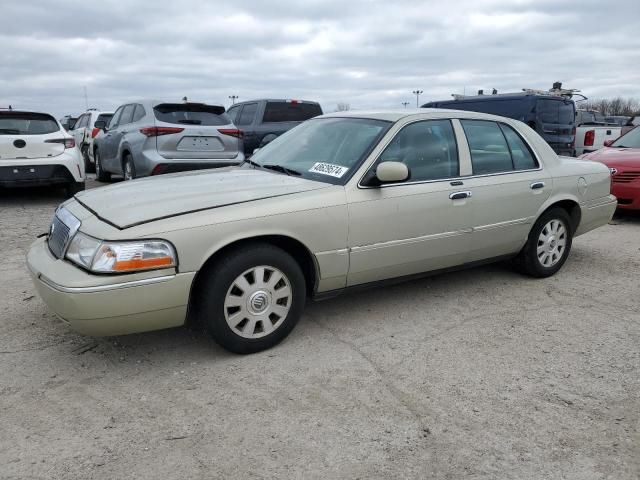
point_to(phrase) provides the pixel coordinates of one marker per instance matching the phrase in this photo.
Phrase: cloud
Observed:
(366, 53)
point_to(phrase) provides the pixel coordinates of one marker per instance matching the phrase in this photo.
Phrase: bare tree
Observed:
(613, 106)
(342, 107)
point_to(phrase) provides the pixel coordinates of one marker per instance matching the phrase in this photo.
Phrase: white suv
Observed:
(84, 131)
(36, 150)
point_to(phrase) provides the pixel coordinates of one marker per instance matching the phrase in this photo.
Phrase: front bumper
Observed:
(102, 305)
(628, 195)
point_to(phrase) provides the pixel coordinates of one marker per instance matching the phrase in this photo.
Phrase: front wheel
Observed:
(101, 175)
(548, 244)
(252, 298)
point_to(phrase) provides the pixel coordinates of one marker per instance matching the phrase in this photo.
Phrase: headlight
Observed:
(120, 257)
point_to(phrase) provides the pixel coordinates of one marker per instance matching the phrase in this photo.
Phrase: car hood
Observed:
(149, 199)
(629, 157)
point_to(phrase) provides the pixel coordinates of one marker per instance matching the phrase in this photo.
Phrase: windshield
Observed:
(16, 123)
(326, 149)
(631, 139)
(191, 114)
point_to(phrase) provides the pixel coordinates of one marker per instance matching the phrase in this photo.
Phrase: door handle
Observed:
(536, 185)
(460, 195)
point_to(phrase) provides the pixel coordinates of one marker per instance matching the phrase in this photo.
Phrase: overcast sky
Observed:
(365, 53)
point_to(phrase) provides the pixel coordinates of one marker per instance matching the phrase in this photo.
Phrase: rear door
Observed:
(25, 135)
(79, 128)
(195, 131)
(508, 187)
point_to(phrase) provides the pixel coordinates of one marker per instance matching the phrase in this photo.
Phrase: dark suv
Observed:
(263, 120)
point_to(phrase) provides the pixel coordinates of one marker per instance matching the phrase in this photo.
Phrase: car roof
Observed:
(276, 100)
(25, 111)
(394, 115)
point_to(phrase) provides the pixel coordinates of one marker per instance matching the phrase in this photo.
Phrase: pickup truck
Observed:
(266, 119)
(592, 131)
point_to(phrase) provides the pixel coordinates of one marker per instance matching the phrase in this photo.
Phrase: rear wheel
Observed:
(128, 168)
(252, 298)
(88, 166)
(101, 175)
(548, 245)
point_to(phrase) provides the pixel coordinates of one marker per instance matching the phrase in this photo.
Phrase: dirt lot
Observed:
(481, 374)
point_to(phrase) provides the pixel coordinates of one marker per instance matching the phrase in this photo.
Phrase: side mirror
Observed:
(101, 124)
(386, 172)
(608, 143)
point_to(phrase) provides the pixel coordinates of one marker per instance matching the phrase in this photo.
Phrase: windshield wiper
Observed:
(280, 168)
(251, 162)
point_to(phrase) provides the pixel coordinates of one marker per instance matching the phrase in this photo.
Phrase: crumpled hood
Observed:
(126, 204)
(629, 157)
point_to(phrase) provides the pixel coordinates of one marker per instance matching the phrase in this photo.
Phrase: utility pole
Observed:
(233, 99)
(417, 93)
(86, 98)
(405, 104)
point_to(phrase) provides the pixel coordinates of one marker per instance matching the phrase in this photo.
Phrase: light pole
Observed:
(417, 93)
(233, 99)
(405, 104)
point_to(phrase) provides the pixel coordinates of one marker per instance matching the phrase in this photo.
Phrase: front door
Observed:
(413, 226)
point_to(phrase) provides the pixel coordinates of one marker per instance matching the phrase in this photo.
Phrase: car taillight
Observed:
(157, 131)
(233, 132)
(67, 142)
(94, 132)
(589, 138)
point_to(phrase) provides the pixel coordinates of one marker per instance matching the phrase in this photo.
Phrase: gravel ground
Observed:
(480, 374)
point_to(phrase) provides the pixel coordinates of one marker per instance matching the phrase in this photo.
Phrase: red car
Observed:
(622, 156)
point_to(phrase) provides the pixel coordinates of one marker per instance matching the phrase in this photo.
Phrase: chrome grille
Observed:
(63, 227)
(625, 177)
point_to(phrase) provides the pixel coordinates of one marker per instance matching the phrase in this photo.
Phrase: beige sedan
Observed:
(341, 201)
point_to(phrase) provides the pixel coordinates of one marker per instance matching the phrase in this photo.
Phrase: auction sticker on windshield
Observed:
(329, 169)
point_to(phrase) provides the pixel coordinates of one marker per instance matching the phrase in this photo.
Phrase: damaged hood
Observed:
(148, 199)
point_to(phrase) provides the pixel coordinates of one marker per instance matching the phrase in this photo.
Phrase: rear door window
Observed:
(17, 123)
(139, 113)
(232, 113)
(127, 114)
(522, 156)
(248, 114)
(191, 114)
(290, 112)
(489, 149)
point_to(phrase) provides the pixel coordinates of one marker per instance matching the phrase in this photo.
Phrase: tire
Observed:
(101, 175)
(88, 166)
(74, 187)
(542, 257)
(128, 168)
(243, 314)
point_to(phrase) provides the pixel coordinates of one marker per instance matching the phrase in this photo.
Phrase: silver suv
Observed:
(151, 137)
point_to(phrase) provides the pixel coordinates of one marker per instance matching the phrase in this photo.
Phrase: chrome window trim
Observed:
(458, 178)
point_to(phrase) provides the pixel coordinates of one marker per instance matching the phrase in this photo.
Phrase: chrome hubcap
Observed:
(552, 243)
(258, 302)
